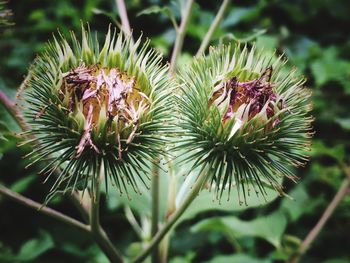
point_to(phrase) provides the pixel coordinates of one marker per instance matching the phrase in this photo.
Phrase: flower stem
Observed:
(171, 207)
(180, 34)
(174, 217)
(43, 209)
(97, 232)
(305, 245)
(155, 207)
(213, 27)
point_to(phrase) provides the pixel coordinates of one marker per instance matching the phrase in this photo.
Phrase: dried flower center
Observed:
(253, 96)
(107, 93)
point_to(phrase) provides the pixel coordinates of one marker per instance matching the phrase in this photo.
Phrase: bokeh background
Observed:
(314, 35)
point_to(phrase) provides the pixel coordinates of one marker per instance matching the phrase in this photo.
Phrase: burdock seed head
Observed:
(245, 117)
(89, 107)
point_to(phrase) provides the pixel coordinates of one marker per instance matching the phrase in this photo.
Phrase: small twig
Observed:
(342, 191)
(180, 35)
(213, 27)
(123, 16)
(43, 209)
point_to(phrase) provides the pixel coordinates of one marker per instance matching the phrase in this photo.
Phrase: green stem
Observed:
(155, 207)
(97, 232)
(174, 217)
(180, 34)
(164, 248)
(43, 209)
(171, 206)
(213, 27)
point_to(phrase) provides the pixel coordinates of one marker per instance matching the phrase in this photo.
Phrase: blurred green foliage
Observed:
(314, 35)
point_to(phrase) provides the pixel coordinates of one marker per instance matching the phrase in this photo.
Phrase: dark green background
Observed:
(314, 34)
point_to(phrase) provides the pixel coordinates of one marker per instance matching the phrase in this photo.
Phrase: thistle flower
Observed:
(245, 117)
(89, 107)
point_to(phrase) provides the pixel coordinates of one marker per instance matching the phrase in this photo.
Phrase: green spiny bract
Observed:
(88, 106)
(244, 117)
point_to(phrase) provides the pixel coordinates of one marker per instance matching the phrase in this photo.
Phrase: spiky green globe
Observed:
(245, 117)
(89, 106)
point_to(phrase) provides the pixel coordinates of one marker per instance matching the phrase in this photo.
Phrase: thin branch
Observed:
(342, 191)
(213, 27)
(173, 218)
(180, 35)
(13, 110)
(123, 16)
(43, 209)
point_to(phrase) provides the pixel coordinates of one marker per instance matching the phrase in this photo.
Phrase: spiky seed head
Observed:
(5, 14)
(89, 107)
(245, 117)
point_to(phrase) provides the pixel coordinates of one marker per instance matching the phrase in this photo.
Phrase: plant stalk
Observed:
(180, 35)
(305, 245)
(43, 209)
(97, 232)
(171, 207)
(155, 207)
(174, 217)
(213, 27)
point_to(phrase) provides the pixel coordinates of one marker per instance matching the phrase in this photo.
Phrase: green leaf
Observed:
(140, 202)
(344, 123)
(296, 207)
(237, 258)
(111, 15)
(320, 149)
(337, 260)
(35, 247)
(246, 38)
(329, 67)
(206, 200)
(22, 184)
(237, 15)
(270, 228)
(155, 9)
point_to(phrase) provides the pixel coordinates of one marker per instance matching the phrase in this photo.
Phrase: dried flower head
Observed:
(245, 117)
(89, 107)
